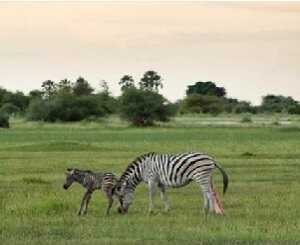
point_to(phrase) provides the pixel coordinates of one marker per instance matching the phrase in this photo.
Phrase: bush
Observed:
(246, 119)
(4, 120)
(279, 104)
(144, 107)
(196, 103)
(66, 108)
(9, 108)
(295, 109)
(107, 102)
(38, 110)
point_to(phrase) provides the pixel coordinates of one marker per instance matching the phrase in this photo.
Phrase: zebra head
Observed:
(124, 192)
(72, 175)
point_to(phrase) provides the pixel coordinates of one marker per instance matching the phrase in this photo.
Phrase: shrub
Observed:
(196, 103)
(66, 108)
(73, 108)
(4, 120)
(9, 108)
(248, 154)
(38, 110)
(278, 104)
(295, 109)
(143, 107)
(108, 103)
(246, 119)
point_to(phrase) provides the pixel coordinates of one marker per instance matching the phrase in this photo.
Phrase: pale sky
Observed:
(251, 49)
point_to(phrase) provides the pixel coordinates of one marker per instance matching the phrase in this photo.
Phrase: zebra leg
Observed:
(207, 193)
(87, 202)
(206, 204)
(82, 202)
(164, 197)
(110, 200)
(152, 190)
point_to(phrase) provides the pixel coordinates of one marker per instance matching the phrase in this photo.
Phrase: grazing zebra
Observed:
(91, 181)
(167, 170)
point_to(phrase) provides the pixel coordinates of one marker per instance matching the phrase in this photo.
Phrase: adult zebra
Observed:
(170, 170)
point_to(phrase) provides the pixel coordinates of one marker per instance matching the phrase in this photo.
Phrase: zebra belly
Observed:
(177, 184)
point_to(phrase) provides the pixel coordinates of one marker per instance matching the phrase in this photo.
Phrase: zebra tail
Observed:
(225, 177)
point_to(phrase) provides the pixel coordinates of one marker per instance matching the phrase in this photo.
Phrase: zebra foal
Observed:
(91, 181)
(159, 171)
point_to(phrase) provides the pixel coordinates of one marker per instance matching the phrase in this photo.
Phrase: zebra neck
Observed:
(132, 181)
(83, 179)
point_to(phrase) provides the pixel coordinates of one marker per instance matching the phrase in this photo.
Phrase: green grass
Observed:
(262, 203)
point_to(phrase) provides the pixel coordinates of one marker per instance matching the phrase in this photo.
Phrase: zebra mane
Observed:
(80, 170)
(88, 171)
(124, 176)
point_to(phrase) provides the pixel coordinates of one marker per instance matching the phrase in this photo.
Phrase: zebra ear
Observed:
(70, 171)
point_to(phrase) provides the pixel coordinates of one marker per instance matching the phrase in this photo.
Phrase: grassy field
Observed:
(261, 158)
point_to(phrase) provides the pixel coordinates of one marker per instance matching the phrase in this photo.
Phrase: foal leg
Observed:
(87, 202)
(83, 201)
(110, 200)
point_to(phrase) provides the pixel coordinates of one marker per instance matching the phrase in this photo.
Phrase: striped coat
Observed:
(159, 171)
(91, 181)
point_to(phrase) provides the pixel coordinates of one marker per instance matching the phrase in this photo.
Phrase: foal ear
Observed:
(76, 171)
(70, 171)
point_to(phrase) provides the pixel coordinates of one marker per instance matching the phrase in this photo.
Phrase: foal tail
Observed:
(225, 177)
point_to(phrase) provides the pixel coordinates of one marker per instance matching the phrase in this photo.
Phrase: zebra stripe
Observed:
(170, 170)
(92, 181)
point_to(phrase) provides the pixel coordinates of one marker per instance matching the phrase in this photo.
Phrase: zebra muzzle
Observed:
(122, 210)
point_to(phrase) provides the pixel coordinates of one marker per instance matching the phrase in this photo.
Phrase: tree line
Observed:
(139, 103)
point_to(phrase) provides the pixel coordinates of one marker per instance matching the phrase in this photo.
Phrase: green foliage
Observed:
(197, 103)
(294, 109)
(151, 81)
(64, 87)
(126, 81)
(246, 119)
(143, 107)
(206, 88)
(243, 107)
(4, 120)
(48, 88)
(18, 99)
(206, 97)
(9, 109)
(38, 110)
(81, 87)
(66, 108)
(108, 103)
(35, 94)
(71, 102)
(279, 104)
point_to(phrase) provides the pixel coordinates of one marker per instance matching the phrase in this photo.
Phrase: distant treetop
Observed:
(206, 88)
(151, 81)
